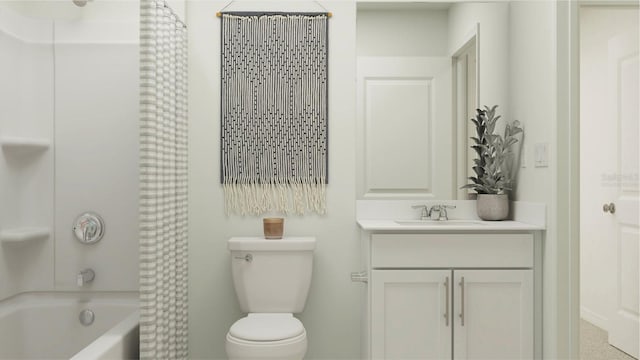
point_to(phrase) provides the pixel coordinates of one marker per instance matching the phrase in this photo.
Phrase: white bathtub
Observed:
(47, 326)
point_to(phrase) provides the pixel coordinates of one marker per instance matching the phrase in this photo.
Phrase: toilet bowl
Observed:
(266, 336)
(271, 279)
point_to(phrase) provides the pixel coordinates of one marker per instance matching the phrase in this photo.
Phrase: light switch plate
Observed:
(541, 155)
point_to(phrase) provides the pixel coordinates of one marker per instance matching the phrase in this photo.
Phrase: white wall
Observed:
(402, 31)
(532, 90)
(26, 180)
(532, 100)
(331, 317)
(493, 44)
(597, 251)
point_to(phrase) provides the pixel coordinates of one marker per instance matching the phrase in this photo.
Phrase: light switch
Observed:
(541, 155)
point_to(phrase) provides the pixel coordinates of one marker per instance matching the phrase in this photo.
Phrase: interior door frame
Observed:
(568, 171)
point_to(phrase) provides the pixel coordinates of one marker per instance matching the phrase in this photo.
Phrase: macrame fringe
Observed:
(274, 128)
(257, 199)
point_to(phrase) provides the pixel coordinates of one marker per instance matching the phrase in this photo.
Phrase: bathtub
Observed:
(48, 326)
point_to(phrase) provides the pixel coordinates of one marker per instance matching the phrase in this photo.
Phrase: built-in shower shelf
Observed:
(24, 144)
(24, 235)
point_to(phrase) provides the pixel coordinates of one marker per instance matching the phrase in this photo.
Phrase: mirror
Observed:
(423, 69)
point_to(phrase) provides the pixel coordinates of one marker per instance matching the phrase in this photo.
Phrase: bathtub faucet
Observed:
(85, 276)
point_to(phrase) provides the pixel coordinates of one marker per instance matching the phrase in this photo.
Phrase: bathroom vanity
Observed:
(451, 290)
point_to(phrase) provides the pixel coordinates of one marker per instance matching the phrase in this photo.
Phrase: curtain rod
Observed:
(254, 13)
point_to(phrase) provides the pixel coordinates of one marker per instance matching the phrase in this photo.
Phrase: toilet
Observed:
(271, 279)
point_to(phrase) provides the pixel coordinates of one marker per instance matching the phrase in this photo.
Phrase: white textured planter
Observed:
(492, 207)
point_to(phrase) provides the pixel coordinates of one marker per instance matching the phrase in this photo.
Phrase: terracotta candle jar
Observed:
(273, 228)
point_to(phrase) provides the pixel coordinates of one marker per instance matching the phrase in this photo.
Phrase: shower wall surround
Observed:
(85, 125)
(96, 148)
(26, 175)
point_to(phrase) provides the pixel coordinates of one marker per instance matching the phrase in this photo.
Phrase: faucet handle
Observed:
(443, 211)
(426, 212)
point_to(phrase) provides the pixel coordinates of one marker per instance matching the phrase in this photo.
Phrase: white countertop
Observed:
(451, 225)
(382, 215)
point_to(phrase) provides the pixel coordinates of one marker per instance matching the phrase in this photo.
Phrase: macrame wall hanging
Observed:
(274, 112)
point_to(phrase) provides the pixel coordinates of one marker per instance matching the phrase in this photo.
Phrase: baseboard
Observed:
(594, 318)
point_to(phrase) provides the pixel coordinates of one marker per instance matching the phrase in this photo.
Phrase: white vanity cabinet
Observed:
(452, 296)
(407, 308)
(493, 314)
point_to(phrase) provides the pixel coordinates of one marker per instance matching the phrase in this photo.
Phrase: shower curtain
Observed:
(163, 183)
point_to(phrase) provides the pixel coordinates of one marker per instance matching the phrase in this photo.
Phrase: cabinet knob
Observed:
(610, 208)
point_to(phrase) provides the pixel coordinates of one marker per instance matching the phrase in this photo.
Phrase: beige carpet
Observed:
(594, 345)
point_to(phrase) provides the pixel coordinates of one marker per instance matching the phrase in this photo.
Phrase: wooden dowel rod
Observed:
(219, 14)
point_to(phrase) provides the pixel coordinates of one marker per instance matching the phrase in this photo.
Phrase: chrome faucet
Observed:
(442, 211)
(425, 214)
(428, 210)
(85, 276)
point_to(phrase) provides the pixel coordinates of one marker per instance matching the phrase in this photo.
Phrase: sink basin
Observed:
(440, 223)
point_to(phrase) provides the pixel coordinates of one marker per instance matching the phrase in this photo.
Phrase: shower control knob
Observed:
(88, 228)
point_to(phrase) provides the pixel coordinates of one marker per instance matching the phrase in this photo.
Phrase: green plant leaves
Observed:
(493, 152)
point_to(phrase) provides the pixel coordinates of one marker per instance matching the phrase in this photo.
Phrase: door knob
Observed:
(610, 208)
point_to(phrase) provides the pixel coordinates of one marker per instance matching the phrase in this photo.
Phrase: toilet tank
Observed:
(272, 276)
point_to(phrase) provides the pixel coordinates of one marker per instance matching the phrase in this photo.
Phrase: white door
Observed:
(411, 314)
(405, 128)
(493, 314)
(624, 79)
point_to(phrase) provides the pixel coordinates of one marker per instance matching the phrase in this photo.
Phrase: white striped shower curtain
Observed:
(163, 183)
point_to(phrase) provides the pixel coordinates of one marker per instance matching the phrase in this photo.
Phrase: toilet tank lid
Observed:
(262, 244)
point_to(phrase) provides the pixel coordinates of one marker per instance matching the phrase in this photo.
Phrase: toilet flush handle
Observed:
(247, 258)
(359, 277)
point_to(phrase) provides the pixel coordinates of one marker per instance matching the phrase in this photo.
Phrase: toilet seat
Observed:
(267, 327)
(267, 336)
(278, 343)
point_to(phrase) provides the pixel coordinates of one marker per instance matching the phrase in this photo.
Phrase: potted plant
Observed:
(493, 164)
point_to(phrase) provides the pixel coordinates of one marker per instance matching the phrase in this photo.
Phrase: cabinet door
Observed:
(408, 309)
(404, 127)
(493, 314)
